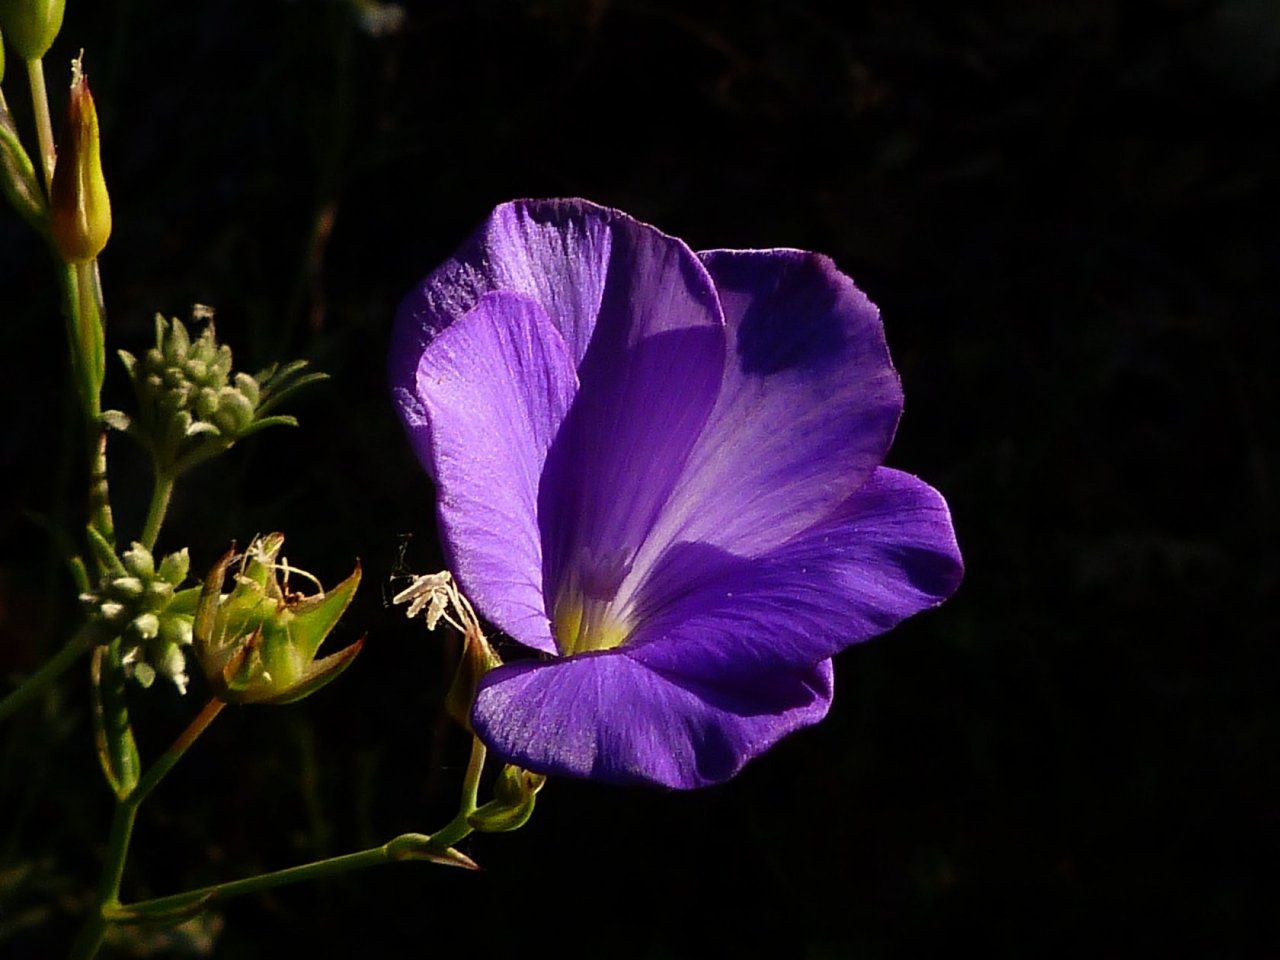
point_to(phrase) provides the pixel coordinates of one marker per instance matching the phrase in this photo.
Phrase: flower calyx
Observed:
(258, 643)
(138, 601)
(191, 404)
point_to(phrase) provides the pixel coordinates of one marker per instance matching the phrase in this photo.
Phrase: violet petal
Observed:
(807, 408)
(610, 718)
(496, 385)
(648, 381)
(888, 554)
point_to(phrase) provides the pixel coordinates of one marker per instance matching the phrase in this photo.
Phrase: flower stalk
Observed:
(434, 848)
(179, 906)
(52, 669)
(126, 813)
(44, 120)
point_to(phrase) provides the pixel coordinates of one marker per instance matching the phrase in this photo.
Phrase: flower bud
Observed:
(174, 567)
(191, 404)
(80, 210)
(138, 561)
(139, 604)
(257, 644)
(478, 659)
(514, 793)
(30, 26)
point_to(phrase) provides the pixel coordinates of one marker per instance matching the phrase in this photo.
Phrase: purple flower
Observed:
(661, 470)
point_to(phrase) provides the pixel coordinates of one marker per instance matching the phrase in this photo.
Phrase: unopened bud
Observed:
(173, 568)
(30, 26)
(138, 561)
(514, 794)
(139, 603)
(478, 658)
(80, 220)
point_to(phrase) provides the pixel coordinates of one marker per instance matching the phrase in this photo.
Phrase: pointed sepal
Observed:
(258, 643)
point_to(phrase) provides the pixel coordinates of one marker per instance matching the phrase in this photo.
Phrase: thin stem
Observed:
(171, 756)
(84, 300)
(95, 928)
(161, 491)
(278, 878)
(458, 828)
(92, 332)
(471, 781)
(44, 123)
(435, 847)
(407, 846)
(99, 492)
(54, 668)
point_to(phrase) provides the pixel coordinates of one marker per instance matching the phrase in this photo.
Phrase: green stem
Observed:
(436, 847)
(161, 491)
(84, 297)
(44, 123)
(265, 881)
(407, 846)
(95, 928)
(99, 493)
(79, 314)
(458, 828)
(54, 668)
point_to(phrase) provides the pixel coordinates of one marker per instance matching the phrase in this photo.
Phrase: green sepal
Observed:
(280, 420)
(113, 734)
(277, 385)
(258, 643)
(419, 846)
(477, 659)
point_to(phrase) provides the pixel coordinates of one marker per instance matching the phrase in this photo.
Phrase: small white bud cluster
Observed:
(134, 603)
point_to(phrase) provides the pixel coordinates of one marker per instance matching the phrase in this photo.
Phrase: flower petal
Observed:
(648, 381)
(556, 252)
(495, 386)
(607, 717)
(889, 553)
(807, 408)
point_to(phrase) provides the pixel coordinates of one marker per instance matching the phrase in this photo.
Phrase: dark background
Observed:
(1066, 212)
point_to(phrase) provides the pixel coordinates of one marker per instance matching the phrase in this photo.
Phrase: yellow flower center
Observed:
(583, 624)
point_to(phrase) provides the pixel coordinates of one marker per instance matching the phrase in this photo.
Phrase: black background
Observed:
(1065, 212)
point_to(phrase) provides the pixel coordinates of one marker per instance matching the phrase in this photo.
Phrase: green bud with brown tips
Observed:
(80, 210)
